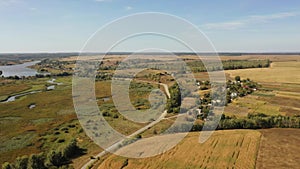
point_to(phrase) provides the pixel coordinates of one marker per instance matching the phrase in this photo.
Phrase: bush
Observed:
(125, 163)
(138, 136)
(106, 114)
(21, 162)
(71, 149)
(36, 161)
(56, 158)
(203, 88)
(61, 140)
(237, 78)
(116, 116)
(7, 165)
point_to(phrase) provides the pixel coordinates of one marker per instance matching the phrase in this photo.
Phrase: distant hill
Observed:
(30, 56)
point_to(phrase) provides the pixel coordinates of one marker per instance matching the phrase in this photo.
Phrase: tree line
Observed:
(254, 121)
(59, 158)
(198, 66)
(174, 103)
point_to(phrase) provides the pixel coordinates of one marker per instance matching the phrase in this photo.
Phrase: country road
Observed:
(116, 145)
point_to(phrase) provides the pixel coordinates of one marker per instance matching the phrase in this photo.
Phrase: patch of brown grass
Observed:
(279, 148)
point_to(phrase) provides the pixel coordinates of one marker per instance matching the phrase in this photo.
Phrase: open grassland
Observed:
(53, 121)
(49, 125)
(279, 148)
(254, 104)
(279, 72)
(13, 87)
(138, 94)
(225, 149)
(266, 102)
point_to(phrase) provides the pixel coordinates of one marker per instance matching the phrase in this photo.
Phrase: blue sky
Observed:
(232, 26)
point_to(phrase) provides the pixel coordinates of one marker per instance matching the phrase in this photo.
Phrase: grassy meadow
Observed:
(45, 127)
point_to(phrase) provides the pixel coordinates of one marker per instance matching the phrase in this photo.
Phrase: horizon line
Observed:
(176, 52)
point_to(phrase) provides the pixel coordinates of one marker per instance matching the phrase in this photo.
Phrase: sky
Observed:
(231, 25)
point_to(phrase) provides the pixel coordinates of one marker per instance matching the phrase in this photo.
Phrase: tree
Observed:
(71, 149)
(21, 162)
(174, 103)
(56, 158)
(36, 161)
(237, 78)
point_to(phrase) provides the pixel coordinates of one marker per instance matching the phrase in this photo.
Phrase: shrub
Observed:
(106, 114)
(71, 149)
(36, 161)
(56, 158)
(21, 162)
(237, 78)
(7, 165)
(125, 163)
(61, 140)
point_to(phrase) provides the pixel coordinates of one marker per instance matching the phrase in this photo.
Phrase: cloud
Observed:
(225, 25)
(33, 9)
(253, 19)
(273, 16)
(128, 8)
(8, 2)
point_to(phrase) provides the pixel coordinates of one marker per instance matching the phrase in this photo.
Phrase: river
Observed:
(19, 69)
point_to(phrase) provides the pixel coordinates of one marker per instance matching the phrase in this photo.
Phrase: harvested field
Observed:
(279, 148)
(225, 149)
(277, 73)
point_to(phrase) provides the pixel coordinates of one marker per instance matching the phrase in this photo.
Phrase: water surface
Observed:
(19, 69)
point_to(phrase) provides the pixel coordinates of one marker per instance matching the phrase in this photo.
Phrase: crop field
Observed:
(277, 73)
(273, 58)
(238, 147)
(279, 148)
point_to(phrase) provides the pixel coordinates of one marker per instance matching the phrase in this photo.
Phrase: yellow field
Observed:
(279, 72)
(225, 149)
